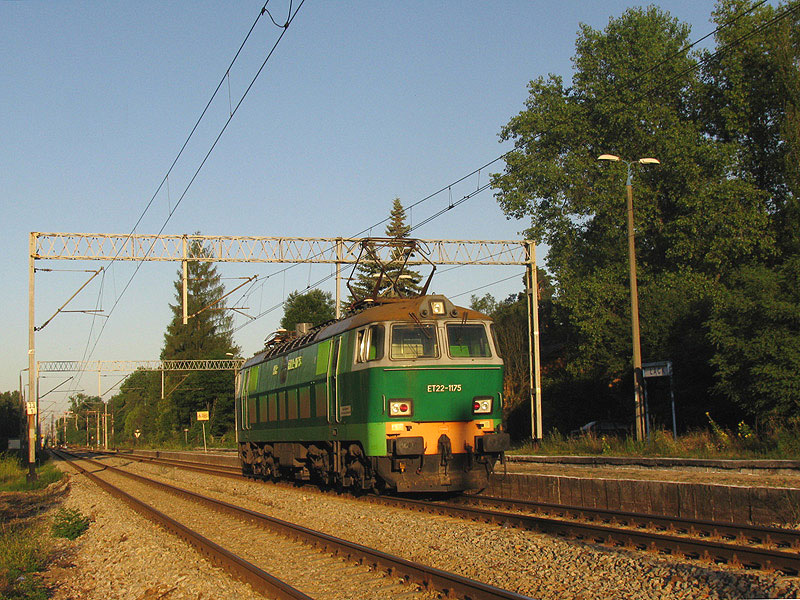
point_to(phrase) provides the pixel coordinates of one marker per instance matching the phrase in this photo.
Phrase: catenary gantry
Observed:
(339, 251)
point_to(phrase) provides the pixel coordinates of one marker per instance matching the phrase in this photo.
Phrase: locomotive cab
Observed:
(439, 376)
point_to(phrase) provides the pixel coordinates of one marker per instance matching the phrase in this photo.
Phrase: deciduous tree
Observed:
(10, 415)
(314, 306)
(636, 92)
(755, 328)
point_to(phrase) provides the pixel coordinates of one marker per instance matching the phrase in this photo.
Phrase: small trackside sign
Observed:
(202, 415)
(657, 369)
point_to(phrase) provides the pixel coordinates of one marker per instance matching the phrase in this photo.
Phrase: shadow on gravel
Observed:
(23, 505)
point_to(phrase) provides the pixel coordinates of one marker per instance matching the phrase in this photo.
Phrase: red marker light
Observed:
(400, 408)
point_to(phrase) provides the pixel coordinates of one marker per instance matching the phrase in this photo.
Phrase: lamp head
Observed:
(649, 161)
(609, 157)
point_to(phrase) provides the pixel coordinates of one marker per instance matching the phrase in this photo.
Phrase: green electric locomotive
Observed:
(405, 395)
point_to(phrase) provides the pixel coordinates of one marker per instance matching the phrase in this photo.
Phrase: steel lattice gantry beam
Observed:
(129, 366)
(98, 246)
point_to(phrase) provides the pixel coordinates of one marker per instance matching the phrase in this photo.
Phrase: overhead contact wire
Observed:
(205, 158)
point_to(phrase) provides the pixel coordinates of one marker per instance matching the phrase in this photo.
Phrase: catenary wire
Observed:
(726, 48)
(487, 285)
(199, 168)
(328, 277)
(165, 179)
(790, 10)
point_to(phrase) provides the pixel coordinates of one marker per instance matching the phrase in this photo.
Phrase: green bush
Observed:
(69, 523)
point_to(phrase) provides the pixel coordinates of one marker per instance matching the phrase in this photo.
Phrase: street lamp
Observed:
(638, 380)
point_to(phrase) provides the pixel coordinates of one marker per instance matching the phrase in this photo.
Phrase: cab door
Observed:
(333, 379)
(242, 413)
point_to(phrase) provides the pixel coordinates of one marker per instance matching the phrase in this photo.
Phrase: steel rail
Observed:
(198, 467)
(238, 567)
(735, 555)
(449, 584)
(737, 531)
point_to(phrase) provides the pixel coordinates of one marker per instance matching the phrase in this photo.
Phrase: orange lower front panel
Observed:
(459, 432)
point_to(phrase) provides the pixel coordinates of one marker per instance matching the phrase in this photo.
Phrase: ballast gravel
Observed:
(525, 562)
(123, 556)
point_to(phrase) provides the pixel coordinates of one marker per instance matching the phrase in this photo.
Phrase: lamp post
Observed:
(638, 380)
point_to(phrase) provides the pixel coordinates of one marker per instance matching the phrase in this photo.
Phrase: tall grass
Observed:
(23, 551)
(24, 542)
(773, 441)
(179, 442)
(14, 477)
(10, 469)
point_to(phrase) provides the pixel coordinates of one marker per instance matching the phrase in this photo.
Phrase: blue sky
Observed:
(362, 102)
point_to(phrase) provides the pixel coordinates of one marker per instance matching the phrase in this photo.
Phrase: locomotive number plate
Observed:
(451, 387)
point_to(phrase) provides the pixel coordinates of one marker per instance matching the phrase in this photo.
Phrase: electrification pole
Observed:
(534, 370)
(33, 393)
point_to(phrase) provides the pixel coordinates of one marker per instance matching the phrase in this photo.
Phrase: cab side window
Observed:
(370, 343)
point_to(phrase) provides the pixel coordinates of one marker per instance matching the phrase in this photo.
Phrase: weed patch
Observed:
(773, 441)
(69, 523)
(14, 478)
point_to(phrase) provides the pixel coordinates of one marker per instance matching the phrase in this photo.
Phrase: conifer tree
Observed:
(369, 270)
(207, 335)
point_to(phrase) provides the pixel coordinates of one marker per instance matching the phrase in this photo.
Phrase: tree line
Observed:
(163, 408)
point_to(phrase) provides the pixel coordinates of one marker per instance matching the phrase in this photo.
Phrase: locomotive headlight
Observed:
(401, 407)
(481, 405)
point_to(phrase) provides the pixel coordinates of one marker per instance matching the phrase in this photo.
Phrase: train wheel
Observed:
(246, 458)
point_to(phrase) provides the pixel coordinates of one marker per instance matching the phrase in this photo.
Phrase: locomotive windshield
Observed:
(467, 341)
(414, 341)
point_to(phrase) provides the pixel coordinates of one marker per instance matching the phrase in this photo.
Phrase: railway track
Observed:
(241, 569)
(739, 553)
(376, 562)
(768, 536)
(738, 545)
